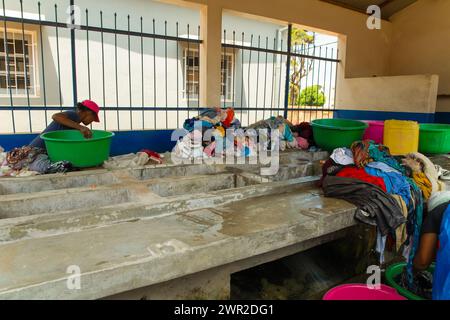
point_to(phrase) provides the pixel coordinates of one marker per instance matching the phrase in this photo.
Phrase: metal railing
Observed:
(272, 90)
(139, 84)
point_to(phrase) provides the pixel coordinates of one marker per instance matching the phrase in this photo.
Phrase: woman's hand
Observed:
(86, 132)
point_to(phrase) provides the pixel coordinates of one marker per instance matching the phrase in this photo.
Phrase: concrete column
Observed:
(210, 54)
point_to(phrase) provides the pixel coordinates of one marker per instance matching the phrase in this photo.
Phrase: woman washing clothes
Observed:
(435, 243)
(33, 159)
(86, 113)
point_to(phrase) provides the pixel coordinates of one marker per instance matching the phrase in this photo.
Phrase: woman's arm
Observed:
(61, 118)
(427, 251)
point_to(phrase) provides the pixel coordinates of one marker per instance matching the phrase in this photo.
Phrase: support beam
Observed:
(210, 55)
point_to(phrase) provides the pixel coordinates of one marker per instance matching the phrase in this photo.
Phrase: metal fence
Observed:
(47, 65)
(272, 64)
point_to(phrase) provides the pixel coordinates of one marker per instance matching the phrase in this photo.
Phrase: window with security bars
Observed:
(18, 56)
(191, 63)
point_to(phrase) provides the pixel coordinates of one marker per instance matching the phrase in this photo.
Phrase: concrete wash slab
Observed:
(140, 240)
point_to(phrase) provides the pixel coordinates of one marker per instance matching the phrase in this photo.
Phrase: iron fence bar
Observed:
(229, 45)
(178, 78)
(73, 55)
(335, 80)
(8, 72)
(100, 29)
(257, 77)
(242, 72)
(57, 55)
(199, 84)
(129, 72)
(273, 76)
(165, 75)
(154, 74)
(113, 108)
(265, 80)
(318, 81)
(248, 80)
(43, 65)
(279, 83)
(331, 80)
(187, 72)
(88, 55)
(324, 80)
(288, 70)
(25, 67)
(103, 71)
(234, 69)
(116, 71)
(224, 68)
(142, 74)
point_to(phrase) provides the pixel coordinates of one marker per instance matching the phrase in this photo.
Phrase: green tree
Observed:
(312, 96)
(301, 41)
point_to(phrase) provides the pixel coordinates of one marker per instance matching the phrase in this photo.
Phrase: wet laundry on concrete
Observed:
(375, 207)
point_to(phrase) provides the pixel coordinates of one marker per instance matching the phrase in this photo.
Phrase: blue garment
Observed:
(189, 124)
(55, 126)
(381, 153)
(287, 135)
(382, 166)
(441, 277)
(395, 183)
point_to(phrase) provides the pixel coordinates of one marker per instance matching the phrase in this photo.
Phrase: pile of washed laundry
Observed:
(389, 191)
(29, 161)
(196, 144)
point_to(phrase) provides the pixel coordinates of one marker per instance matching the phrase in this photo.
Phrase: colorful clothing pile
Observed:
(405, 181)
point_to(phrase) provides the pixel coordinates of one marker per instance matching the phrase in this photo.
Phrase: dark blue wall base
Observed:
(384, 115)
(123, 141)
(442, 117)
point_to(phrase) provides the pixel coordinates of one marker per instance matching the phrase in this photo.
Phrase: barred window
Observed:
(18, 60)
(191, 63)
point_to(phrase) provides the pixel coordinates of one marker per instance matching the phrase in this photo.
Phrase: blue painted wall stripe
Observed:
(442, 117)
(384, 115)
(123, 141)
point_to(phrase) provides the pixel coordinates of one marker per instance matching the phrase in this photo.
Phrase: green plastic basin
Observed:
(393, 271)
(434, 138)
(70, 145)
(330, 134)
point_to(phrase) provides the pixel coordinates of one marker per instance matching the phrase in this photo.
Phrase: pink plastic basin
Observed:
(374, 131)
(359, 291)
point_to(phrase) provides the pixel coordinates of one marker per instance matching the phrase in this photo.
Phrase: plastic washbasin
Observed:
(434, 138)
(375, 131)
(360, 291)
(70, 145)
(330, 134)
(394, 271)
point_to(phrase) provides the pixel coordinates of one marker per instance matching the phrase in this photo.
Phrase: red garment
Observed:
(361, 174)
(153, 155)
(230, 116)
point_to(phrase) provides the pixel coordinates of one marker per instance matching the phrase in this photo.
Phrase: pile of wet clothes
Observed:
(28, 161)
(194, 145)
(389, 191)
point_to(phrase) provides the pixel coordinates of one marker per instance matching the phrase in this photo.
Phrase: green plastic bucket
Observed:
(70, 145)
(330, 134)
(393, 271)
(434, 138)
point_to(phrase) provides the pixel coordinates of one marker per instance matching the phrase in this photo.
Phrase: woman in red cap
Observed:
(86, 113)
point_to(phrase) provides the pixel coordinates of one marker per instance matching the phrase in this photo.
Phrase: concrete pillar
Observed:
(210, 54)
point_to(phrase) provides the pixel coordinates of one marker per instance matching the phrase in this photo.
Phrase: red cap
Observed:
(92, 106)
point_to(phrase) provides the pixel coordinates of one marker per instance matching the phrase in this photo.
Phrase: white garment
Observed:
(130, 160)
(437, 198)
(343, 156)
(381, 245)
(190, 146)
